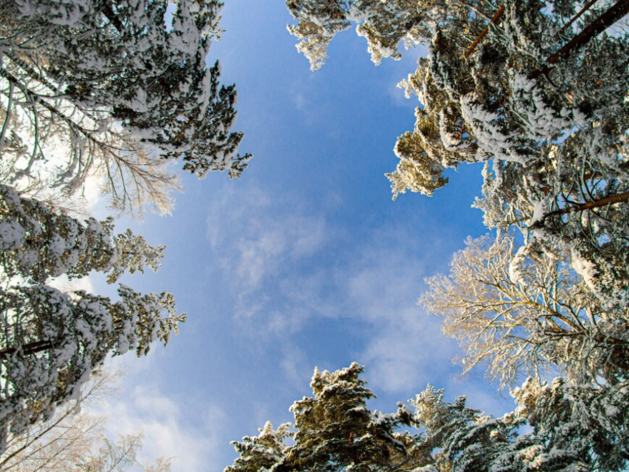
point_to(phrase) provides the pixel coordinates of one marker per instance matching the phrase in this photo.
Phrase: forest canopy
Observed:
(107, 91)
(117, 94)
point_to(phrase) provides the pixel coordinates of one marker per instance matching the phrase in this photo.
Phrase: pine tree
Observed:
(383, 24)
(121, 91)
(334, 431)
(556, 427)
(262, 452)
(51, 341)
(556, 138)
(39, 242)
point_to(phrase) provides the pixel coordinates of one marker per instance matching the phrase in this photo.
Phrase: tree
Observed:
(39, 242)
(51, 341)
(573, 199)
(119, 457)
(384, 24)
(556, 142)
(65, 437)
(563, 433)
(526, 310)
(72, 439)
(556, 139)
(262, 452)
(334, 431)
(123, 93)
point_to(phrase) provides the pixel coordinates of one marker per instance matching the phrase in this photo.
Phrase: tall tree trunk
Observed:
(611, 16)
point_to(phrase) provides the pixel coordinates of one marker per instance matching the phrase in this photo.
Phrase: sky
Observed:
(304, 262)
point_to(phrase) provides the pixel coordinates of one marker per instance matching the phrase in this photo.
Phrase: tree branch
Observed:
(611, 16)
(494, 20)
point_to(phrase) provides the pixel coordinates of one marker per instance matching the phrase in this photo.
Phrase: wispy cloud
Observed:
(404, 348)
(167, 429)
(262, 243)
(290, 265)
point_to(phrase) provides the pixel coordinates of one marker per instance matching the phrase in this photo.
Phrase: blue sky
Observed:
(306, 261)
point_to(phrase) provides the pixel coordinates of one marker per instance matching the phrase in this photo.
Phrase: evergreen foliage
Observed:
(334, 431)
(39, 242)
(555, 427)
(51, 341)
(123, 87)
(528, 87)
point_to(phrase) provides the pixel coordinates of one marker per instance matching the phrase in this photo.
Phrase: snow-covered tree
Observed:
(38, 242)
(524, 309)
(573, 198)
(123, 86)
(334, 431)
(73, 441)
(51, 341)
(262, 452)
(557, 142)
(384, 24)
(536, 88)
(556, 427)
(581, 425)
(120, 456)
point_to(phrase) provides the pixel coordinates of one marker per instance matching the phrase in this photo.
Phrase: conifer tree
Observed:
(51, 341)
(39, 242)
(556, 139)
(334, 431)
(556, 427)
(121, 90)
(262, 452)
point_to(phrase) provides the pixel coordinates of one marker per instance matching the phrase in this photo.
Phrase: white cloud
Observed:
(260, 242)
(405, 348)
(295, 366)
(290, 266)
(192, 439)
(405, 355)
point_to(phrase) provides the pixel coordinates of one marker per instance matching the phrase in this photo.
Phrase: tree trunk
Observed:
(111, 16)
(619, 198)
(29, 348)
(611, 16)
(494, 20)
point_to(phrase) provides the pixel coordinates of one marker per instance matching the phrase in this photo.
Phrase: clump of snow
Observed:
(540, 210)
(12, 235)
(485, 127)
(516, 267)
(585, 269)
